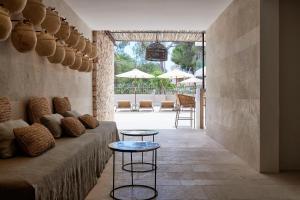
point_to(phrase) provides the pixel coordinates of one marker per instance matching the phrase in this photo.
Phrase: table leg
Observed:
(114, 174)
(155, 169)
(131, 169)
(122, 153)
(142, 152)
(152, 153)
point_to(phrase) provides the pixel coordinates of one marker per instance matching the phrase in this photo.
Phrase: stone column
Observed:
(103, 78)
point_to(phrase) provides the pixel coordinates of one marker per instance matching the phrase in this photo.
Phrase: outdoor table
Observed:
(142, 134)
(134, 147)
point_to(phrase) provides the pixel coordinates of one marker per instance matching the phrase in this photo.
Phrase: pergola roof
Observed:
(162, 36)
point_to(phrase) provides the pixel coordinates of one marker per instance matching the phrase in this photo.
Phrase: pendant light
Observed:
(156, 51)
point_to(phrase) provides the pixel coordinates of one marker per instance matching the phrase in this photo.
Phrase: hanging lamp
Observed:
(156, 51)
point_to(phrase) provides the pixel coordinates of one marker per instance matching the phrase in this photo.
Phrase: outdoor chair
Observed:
(167, 105)
(123, 104)
(185, 102)
(146, 104)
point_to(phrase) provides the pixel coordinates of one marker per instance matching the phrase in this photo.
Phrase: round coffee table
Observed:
(139, 133)
(134, 147)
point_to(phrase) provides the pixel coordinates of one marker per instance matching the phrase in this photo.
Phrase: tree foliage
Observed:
(184, 54)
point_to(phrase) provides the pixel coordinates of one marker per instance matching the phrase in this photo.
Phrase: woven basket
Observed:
(91, 64)
(35, 11)
(5, 109)
(73, 40)
(5, 24)
(94, 52)
(37, 108)
(34, 139)
(52, 21)
(78, 61)
(59, 54)
(14, 6)
(85, 64)
(24, 37)
(46, 44)
(64, 30)
(88, 48)
(69, 57)
(81, 44)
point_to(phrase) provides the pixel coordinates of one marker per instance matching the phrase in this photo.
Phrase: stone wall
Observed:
(103, 78)
(233, 80)
(25, 75)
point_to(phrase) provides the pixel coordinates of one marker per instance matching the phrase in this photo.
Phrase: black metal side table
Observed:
(142, 134)
(134, 147)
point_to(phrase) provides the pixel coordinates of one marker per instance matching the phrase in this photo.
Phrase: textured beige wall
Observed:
(289, 85)
(233, 80)
(25, 75)
(103, 78)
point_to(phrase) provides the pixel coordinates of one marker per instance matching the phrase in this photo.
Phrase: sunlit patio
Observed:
(149, 120)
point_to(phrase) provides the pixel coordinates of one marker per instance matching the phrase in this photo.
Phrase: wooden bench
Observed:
(167, 105)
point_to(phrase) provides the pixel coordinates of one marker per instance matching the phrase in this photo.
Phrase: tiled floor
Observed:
(193, 166)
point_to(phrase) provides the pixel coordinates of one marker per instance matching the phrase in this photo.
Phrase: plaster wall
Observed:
(233, 80)
(289, 84)
(25, 75)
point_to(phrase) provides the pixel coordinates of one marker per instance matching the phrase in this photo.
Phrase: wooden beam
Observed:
(108, 33)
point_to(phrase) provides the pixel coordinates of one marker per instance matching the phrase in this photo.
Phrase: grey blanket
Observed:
(68, 171)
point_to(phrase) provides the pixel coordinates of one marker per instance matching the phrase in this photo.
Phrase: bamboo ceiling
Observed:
(162, 36)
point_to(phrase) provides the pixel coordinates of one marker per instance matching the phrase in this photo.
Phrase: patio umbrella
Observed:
(176, 74)
(135, 74)
(192, 81)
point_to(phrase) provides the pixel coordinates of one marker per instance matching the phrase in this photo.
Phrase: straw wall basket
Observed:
(94, 52)
(14, 6)
(5, 24)
(64, 30)
(73, 40)
(59, 54)
(81, 44)
(88, 47)
(23, 36)
(91, 66)
(35, 11)
(78, 61)
(52, 21)
(69, 57)
(46, 44)
(85, 64)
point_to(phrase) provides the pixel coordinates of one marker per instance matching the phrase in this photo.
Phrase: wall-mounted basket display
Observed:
(5, 24)
(91, 63)
(35, 11)
(73, 40)
(94, 52)
(69, 57)
(14, 6)
(59, 54)
(46, 44)
(23, 36)
(52, 21)
(81, 44)
(78, 61)
(64, 30)
(85, 64)
(88, 48)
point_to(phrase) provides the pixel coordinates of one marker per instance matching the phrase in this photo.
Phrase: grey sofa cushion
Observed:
(72, 113)
(53, 123)
(7, 138)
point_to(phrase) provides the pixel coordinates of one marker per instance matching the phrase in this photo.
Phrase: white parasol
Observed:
(135, 74)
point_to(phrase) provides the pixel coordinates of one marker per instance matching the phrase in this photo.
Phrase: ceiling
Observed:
(192, 15)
